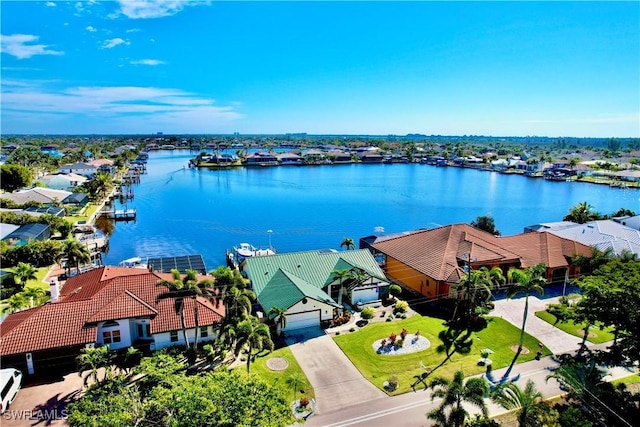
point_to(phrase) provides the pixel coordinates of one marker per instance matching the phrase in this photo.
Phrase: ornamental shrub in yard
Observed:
(367, 313)
(401, 306)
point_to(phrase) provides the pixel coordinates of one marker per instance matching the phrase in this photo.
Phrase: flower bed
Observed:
(411, 344)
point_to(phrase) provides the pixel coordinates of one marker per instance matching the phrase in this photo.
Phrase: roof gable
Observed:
(123, 306)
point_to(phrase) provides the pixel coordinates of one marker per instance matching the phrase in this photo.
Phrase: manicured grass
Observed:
(499, 336)
(631, 379)
(596, 335)
(279, 378)
(83, 215)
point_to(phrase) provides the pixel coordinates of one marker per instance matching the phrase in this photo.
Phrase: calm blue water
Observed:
(191, 211)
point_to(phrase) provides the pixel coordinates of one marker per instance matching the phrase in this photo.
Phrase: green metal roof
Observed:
(313, 267)
(285, 290)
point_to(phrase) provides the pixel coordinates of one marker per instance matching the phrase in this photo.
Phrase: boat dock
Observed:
(120, 214)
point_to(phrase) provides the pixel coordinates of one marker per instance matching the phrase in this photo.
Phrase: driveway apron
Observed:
(336, 381)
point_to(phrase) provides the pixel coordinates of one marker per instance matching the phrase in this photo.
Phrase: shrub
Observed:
(401, 306)
(393, 382)
(399, 343)
(367, 312)
(352, 329)
(395, 290)
(338, 333)
(389, 319)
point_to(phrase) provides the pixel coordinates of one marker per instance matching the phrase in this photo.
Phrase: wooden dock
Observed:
(120, 214)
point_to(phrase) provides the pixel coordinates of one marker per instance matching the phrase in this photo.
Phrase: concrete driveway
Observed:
(336, 381)
(555, 339)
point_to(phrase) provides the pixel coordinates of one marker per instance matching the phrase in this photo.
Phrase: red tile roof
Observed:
(440, 252)
(106, 293)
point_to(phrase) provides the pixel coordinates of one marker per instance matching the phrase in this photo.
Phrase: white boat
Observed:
(246, 250)
(135, 262)
(243, 251)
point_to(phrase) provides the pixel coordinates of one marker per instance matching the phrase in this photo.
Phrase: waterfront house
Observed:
(261, 159)
(83, 169)
(602, 234)
(290, 159)
(45, 196)
(431, 262)
(26, 232)
(63, 181)
(112, 306)
(338, 156)
(76, 199)
(304, 283)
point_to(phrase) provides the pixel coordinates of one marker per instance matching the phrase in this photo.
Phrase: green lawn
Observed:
(596, 335)
(499, 336)
(279, 378)
(631, 379)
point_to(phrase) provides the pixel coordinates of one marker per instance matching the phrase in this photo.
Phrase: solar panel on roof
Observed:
(180, 263)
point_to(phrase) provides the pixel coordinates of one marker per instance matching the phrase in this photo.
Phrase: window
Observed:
(204, 331)
(109, 337)
(174, 336)
(144, 330)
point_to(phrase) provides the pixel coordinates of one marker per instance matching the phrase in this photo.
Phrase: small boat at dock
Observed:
(244, 251)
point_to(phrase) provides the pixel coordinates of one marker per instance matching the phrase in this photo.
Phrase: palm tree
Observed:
(529, 402)
(15, 303)
(477, 286)
(524, 281)
(181, 288)
(35, 296)
(279, 316)
(238, 301)
(455, 393)
(76, 254)
(25, 272)
(254, 336)
(582, 213)
(175, 292)
(341, 275)
(348, 244)
(295, 380)
(94, 358)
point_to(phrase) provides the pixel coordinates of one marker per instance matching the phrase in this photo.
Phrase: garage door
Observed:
(303, 320)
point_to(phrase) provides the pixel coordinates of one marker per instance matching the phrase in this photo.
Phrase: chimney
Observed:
(55, 290)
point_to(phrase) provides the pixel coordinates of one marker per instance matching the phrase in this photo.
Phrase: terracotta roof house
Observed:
(112, 306)
(303, 283)
(431, 262)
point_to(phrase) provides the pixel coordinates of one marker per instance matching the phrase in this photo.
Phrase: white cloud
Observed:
(50, 4)
(91, 29)
(111, 43)
(148, 62)
(109, 109)
(133, 30)
(17, 45)
(146, 9)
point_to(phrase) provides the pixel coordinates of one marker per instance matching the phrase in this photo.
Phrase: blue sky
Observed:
(444, 68)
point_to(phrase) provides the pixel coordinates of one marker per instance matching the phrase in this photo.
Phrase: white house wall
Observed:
(163, 339)
(301, 314)
(365, 294)
(125, 334)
